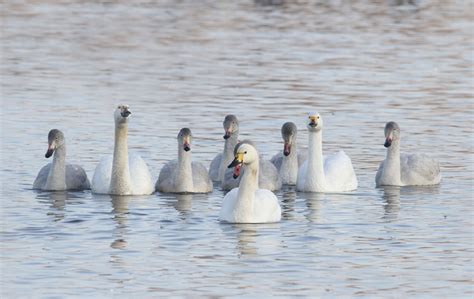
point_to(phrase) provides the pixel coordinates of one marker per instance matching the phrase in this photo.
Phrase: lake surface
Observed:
(67, 64)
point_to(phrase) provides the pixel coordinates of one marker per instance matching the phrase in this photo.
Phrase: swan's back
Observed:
(419, 169)
(340, 175)
(266, 208)
(269, 178)
(102, 175)
(214, 167)
(141, 181)
(278, 158)
(165, 182)
(201, 181)
(76, 177)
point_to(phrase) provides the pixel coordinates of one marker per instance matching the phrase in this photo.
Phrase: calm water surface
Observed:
(66, 64)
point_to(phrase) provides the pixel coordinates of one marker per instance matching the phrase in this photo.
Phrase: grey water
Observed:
(67, 64)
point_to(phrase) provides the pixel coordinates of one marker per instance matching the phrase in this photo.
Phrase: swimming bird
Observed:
(289, 160)
(121, 173)
(219, 164)
(183, 175)
(324, 174)
(59, 175)
(218, 171)
(248, 203)
(405, 169)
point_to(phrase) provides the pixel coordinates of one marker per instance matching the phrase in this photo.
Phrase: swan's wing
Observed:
(268, 177)
(214, 167)
(419, 169)
(277, 160)
(201, 180)
(301, 158)
(267, 208)
(228, 203)
(166, 177)
(379, 173)
(42, 176)
(102, 175)
(76, 178)
(339, 172)
(142, 182)
(300, 181)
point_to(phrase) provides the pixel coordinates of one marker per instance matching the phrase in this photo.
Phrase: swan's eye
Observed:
(245, 152)
(318, 117)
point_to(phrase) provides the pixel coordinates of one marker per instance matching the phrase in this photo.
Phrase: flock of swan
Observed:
(238, 168)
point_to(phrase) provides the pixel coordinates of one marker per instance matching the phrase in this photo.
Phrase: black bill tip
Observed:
(234, 163)
(49, 153)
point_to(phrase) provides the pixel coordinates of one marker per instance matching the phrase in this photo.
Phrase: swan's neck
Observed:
(184, 174)
(228, 154)
(289, 166)
(57, 173)
(120, 182)
(247, 188)
(315, 180)
(391, 168)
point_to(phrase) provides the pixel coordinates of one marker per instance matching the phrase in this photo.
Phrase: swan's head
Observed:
(184, 139)
(315, 122)
(55, 139)
(245, 153)
(288, 133)
(392, 133)
(121, 114)
(231, 126)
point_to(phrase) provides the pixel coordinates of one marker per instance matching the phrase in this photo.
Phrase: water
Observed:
(66, 64)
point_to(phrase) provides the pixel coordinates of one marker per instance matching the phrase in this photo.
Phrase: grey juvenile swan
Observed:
(183, 175)
(289, 160)
(405, 169)
(59, 175)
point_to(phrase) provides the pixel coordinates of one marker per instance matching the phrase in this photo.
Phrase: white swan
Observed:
(122, 174)
(247, 203)
(318, 174)
(218, 171)
(59, 175)
(183, 175)
(404, 169)
(288, 161)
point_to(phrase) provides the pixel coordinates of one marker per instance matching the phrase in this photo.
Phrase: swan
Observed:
(218, 171)
(268, 177)
(183, 175)
(404, 169)
(248, 203)
(288, 161)
(318, 174)
(122, 174)
(59, 175)
(219, 164)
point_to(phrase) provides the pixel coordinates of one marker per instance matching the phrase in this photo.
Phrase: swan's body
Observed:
(405, 169)
(334, 173)
(218, 171)
(248, 203)
(183, 175)
(59, 175)
(289, 160)
(122, 174)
